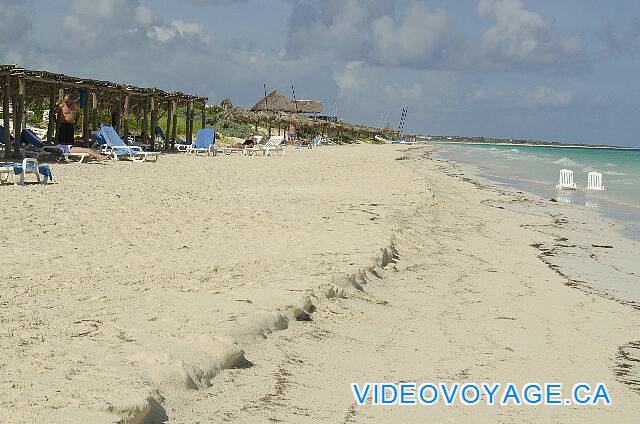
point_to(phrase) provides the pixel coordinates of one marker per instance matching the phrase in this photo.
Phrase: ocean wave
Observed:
(611, 165)
(565, 161)
(623, 182)
(614, 173)
(514, 151)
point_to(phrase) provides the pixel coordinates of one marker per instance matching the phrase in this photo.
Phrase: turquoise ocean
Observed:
(536, 169)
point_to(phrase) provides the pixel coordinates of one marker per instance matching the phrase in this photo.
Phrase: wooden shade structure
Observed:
(21, 87)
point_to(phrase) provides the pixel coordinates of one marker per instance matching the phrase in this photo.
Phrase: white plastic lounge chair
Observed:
(229, 150)
(118, 149)
(565, 182)
(28, 166)
(37, 148)
(274, 144)
(205, 142)
(313, 143)
(594, 181)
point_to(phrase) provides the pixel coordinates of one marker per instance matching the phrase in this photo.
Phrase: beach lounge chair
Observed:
(2, 135)
(274, 144)
(205, 142)
(28, 166)
(181, 145)
(37, 148)
(229, 150)
(118, 149)
(565, 182)
(594, 181)
(313, 143)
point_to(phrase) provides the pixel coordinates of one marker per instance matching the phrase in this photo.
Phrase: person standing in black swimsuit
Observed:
(68, 109)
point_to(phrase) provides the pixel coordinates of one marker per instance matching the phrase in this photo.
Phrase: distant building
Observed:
(278, 102)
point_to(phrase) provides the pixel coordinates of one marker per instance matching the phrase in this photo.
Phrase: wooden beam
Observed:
(188, 121)
(167, 133)
(6, 102)
(174, 123)
(59, 115)
(126, 118)
(204, 117)
(86, 116)
(154, 122)
(53, 105)
(118, 123)
(19, 114)
(145, 122)
(94, 111)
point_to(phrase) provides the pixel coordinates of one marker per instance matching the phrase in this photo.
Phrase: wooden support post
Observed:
(154, 122)
(204, 116)
(126, 118)
(6, 102)
(94, 112)
(86, 116)
(51, 126)
(167, 133)
(145, 122)
(118, 111)
(14, 103)
(174, 123)
(19, 117)
(188, 121)
(59, 115)
(192, 120)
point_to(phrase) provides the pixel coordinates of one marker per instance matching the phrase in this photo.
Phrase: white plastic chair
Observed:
(594, 181)
(29, 166)
(273, 144)
(565, 182)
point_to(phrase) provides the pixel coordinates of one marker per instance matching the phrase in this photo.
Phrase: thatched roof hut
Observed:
(278, 102)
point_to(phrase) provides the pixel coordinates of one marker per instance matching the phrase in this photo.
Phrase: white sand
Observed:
(128, 290)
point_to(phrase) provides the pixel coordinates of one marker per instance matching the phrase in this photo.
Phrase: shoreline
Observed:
(597, 226)
(350, 306)
(561, 146)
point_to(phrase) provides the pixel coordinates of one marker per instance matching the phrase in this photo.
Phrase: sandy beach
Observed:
(257, 289)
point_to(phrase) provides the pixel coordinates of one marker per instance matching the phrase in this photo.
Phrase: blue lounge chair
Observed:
(28, 166)
(205, 140)
(2, 135)
(37, 148)
(118, 149)
(181, 145)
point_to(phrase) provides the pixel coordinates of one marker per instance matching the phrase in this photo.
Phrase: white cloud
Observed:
(332, 25)
(538, 97)
(186, 30)
(403, 92)
(416, 38)
(14, 24)
(521, 36)
(352, 78)
(376, 31)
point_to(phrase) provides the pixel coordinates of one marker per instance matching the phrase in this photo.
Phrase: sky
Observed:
(549, 70)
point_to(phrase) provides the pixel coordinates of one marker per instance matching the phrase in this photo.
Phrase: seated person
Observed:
(249, 142)
(89, 152)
